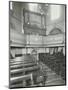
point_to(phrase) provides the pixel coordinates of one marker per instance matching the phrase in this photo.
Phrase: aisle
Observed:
(52, 77)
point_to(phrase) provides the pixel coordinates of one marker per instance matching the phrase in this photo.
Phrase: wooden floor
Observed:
(52, 78)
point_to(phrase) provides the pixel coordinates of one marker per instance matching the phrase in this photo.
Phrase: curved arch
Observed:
(55, 31)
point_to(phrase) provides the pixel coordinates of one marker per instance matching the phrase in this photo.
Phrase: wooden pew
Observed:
(16, 59)
(25, 58)
(23, 78)
(56, 62)
(12, 61)
(25, 69)
(21, 62)
(17, 63)
(22, 65)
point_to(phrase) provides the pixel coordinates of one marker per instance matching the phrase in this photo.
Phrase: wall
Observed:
(59, 22)
(15, 17)
(15, 22)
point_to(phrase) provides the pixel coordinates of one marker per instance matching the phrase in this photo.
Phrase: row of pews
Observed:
(25, 72)
(55, 61)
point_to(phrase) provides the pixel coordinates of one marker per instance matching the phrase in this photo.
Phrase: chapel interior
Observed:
(36, 44)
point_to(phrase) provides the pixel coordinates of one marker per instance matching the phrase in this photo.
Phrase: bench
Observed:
(24, 69)
(23, 78)
(22, 65)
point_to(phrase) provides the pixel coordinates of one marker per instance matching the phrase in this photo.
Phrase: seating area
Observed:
(25, 72)
(55, 61)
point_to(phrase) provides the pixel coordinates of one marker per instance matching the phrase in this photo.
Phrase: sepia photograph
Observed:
(37, 44)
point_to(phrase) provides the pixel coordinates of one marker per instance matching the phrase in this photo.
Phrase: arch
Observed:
(55, 31)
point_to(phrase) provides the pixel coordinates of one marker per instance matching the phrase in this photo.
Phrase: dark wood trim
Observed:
(32, 27)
